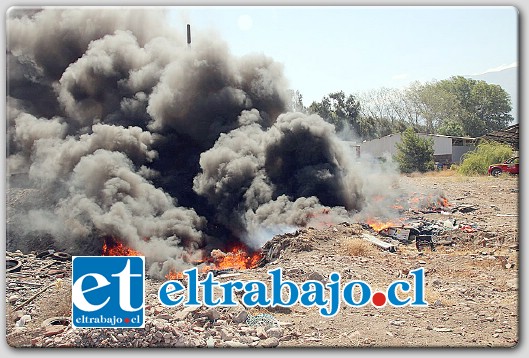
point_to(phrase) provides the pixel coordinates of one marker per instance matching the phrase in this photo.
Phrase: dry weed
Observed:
(442, 173)
(359, 247)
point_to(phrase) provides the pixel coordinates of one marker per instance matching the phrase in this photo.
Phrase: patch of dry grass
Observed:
(359, 247)
(64, 306)
(442, 173)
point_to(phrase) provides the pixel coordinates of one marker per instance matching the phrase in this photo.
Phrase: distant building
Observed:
(447, 149)
(509, 135)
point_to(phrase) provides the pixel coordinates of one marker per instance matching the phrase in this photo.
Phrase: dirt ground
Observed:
(471, 285)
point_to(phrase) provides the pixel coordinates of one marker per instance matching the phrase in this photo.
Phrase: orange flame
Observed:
(173, 275)
(432, 202)
(238, 258)
(379, 225)
(444, 202)
(179, 275)
(114, 247)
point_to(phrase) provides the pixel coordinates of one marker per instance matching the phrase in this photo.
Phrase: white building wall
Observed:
(380, 146)
(441, 145)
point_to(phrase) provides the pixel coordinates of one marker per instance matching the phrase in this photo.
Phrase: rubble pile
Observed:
(30, 275)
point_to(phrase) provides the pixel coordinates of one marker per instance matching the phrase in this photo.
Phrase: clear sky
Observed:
(355, 49)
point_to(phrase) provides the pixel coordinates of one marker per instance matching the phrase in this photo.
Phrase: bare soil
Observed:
(471, 285)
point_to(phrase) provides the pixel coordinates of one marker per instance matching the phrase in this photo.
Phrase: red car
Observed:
(509, 166)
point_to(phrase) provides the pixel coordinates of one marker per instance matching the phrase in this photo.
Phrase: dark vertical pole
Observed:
(188, 34)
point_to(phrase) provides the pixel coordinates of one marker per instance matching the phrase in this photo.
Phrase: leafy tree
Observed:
(457, 106)
(386, 110)
(412, 104)
(367, 127)
(338, 109)
(437, 104)
(387, 103)
(414, 153)
(296, 101)
(451, 127)
(481, 107)
(477, 106)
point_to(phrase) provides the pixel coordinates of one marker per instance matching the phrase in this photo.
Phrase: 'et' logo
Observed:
(108, 291)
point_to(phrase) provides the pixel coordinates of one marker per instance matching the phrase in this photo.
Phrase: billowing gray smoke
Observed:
(116, 128)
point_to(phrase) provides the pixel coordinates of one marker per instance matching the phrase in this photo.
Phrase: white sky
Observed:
(355, 48)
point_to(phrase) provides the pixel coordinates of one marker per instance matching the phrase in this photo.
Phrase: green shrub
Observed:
(414, 153)
(477, 162)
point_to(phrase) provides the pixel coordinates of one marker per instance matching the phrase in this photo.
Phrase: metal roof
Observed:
(509, 135)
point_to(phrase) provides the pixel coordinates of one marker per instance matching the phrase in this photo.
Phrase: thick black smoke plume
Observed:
(117, 128)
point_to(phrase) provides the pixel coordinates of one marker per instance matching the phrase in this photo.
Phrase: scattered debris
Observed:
(398, 233)
(28, 283)
(269, 342)
(467, 228)
(44, 254)
(377, 242)
(398, 322)
(316, 276)
(61, 256)
(464, 208)
(240, 316)
(13, 266)
(422, 241)
(32, 297)
(56, 321)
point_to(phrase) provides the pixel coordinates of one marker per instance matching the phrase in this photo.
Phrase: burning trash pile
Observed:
(219, 262)
(408, 229)
(423, 232)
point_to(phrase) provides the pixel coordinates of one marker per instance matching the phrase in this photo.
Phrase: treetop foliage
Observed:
(457, 106)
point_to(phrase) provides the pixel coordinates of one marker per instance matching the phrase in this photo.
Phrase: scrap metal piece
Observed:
(424, 240)
(381, 244)
(398, 233)
(56, 321)
(217, 272)
(464, 208)
(44, 254)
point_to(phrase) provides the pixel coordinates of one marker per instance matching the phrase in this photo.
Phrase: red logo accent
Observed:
(379, 299)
